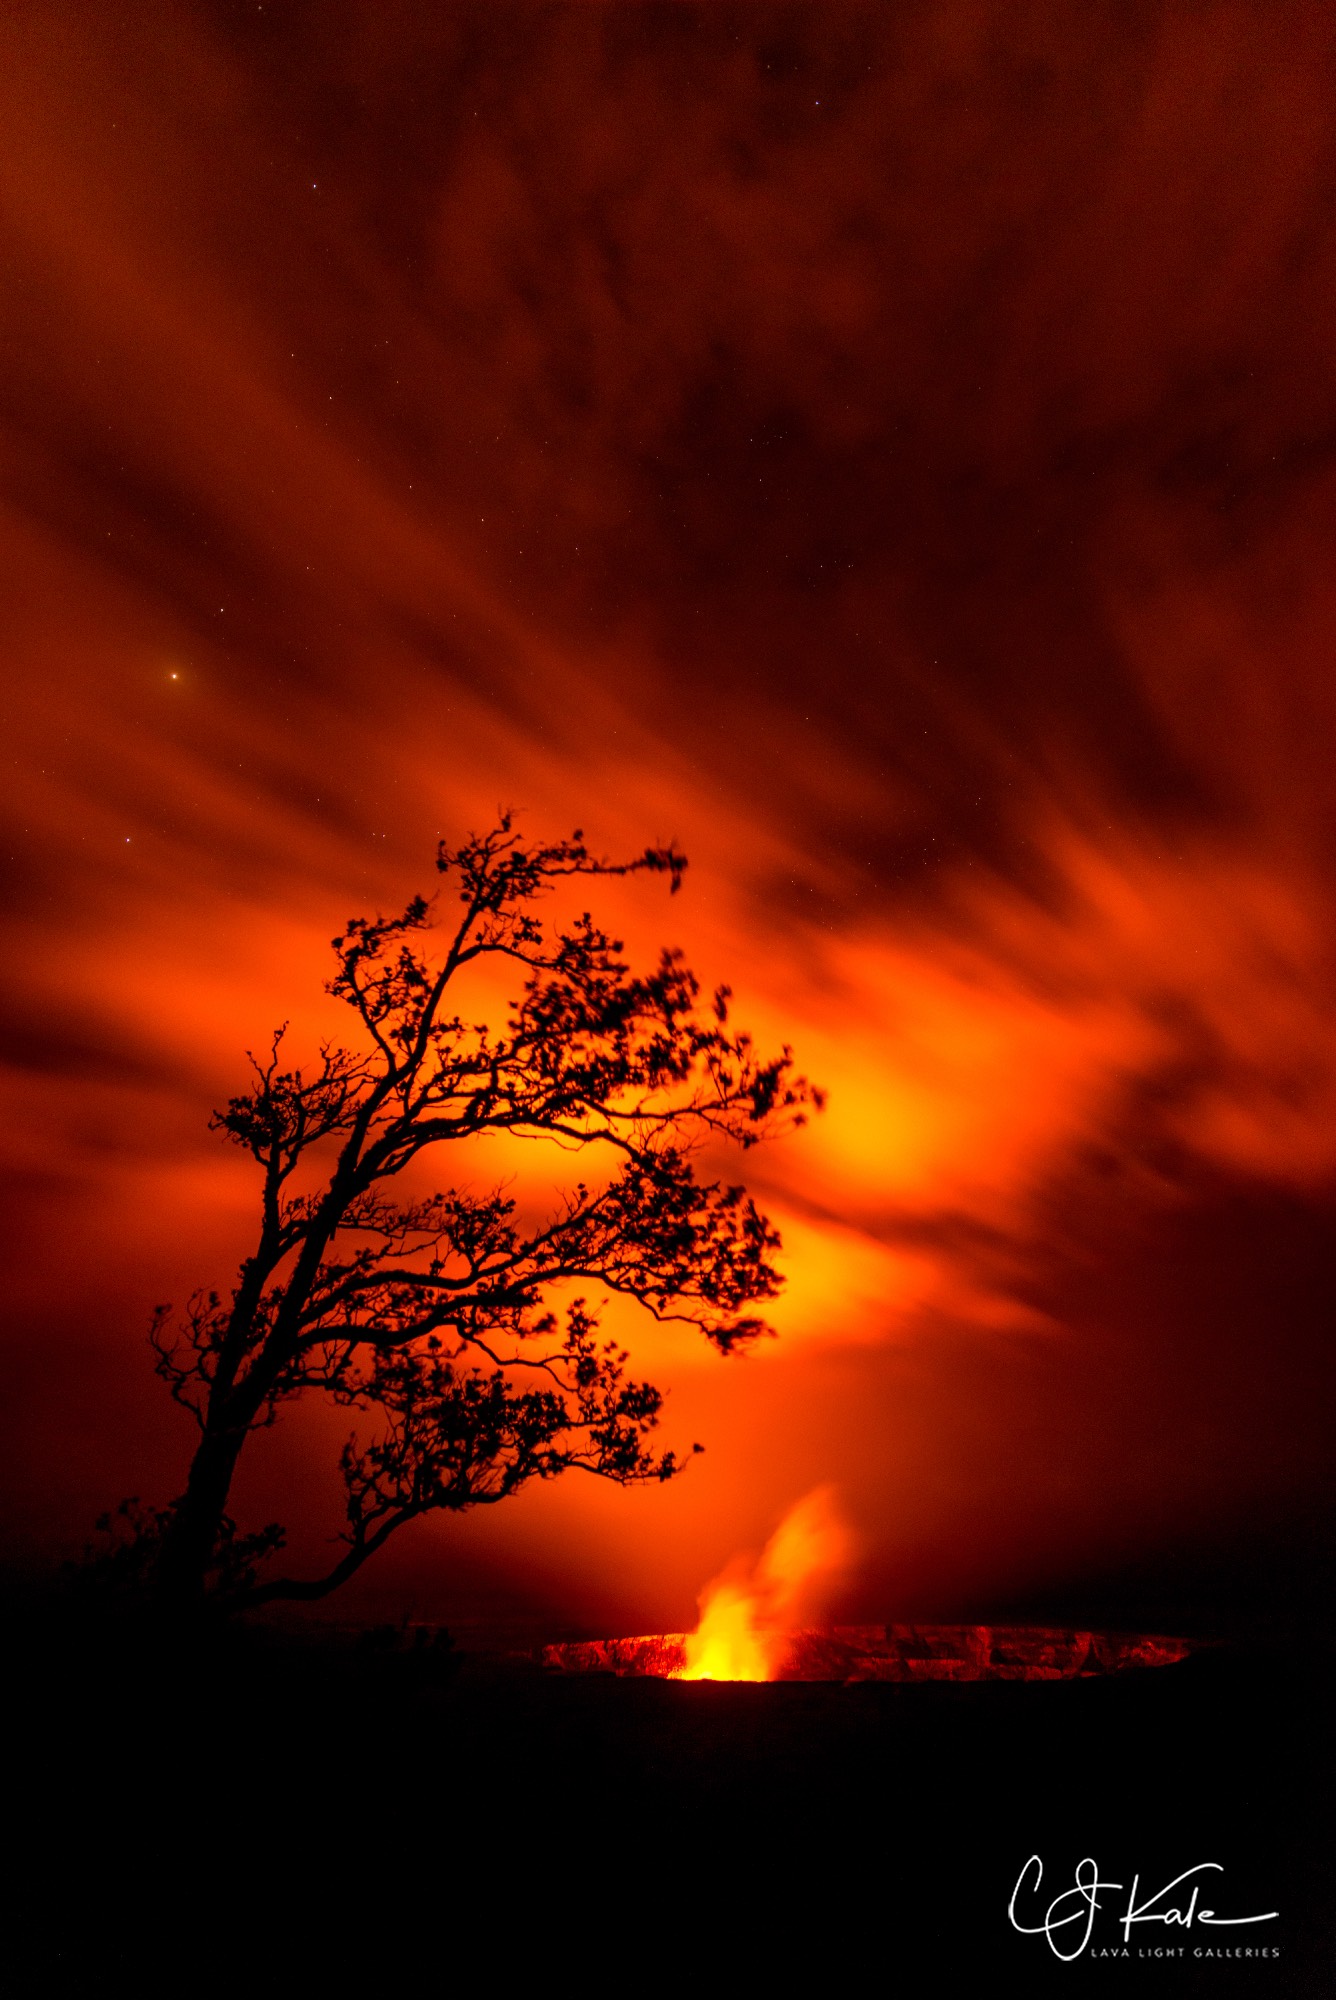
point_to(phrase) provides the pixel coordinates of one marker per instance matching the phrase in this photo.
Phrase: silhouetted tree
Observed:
(434, 1311)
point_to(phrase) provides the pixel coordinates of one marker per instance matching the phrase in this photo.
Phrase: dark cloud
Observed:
(889, 449)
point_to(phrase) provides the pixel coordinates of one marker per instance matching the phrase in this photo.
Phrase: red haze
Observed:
(890, 454)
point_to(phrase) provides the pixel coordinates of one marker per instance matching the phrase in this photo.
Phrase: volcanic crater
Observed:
(852, 1653)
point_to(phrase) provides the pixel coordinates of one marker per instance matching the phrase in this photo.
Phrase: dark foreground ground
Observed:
(267, 1815)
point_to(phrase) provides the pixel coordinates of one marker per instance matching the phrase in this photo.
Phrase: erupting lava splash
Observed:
(752, 1618)
(746, 1614)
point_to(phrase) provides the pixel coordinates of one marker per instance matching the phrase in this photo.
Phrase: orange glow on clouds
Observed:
(965, 613)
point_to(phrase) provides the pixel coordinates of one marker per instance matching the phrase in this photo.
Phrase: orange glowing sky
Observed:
(888, 452)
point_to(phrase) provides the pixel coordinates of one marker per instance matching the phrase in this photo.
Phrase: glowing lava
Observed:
(747, 1614)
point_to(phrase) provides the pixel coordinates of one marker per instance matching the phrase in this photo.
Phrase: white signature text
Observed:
(1068, 1920)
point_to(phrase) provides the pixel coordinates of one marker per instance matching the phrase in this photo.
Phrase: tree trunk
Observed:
(192, 1536)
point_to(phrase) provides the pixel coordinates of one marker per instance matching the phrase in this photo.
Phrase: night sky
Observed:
(890, 450)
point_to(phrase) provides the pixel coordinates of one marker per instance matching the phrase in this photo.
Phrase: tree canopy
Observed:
(435, 1314)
